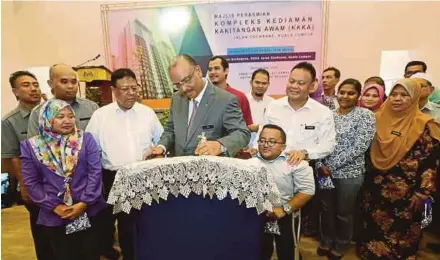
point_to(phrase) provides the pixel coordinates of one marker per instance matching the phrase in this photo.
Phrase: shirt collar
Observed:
(256, 100)
(332, 96)
(118, 109)
(307, 105)
(200, 96)
(282, 156)
(428, 106)
(23, 112)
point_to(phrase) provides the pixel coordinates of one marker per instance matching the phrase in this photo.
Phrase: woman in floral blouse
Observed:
(355, 128)
(404, 159)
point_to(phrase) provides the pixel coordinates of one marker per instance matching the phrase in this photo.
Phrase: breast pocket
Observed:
(208, 128)
(308, 132)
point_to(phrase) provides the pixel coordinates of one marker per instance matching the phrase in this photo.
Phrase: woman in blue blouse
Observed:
(355, 128)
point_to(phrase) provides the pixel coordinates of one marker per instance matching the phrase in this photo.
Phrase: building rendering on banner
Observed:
(139, 50)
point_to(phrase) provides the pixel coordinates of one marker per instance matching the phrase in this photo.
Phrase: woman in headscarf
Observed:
(61, 169)
(372, 97)
(400, 176)
(379, 81)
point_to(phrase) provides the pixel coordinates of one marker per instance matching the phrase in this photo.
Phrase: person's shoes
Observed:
(322, 251)
(112, 254)
(333, 256)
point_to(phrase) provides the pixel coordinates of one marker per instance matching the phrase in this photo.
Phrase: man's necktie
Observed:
(191, 119)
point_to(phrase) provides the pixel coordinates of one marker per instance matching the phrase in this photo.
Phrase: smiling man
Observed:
(258, 101)
(199, 107)
(309, 127)
(295, 184)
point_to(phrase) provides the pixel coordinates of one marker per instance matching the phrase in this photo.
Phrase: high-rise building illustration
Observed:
(150, 59)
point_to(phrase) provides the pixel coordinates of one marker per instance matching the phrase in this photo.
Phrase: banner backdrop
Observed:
(273, 35)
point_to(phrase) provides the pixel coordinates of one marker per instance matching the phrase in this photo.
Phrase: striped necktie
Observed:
(191, 119)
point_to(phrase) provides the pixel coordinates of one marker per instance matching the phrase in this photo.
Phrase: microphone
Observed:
(96, 57)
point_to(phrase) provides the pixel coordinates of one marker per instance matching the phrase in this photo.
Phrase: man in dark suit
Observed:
(198, 108)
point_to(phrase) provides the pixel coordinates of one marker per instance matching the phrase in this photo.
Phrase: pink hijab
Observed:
(379, 89)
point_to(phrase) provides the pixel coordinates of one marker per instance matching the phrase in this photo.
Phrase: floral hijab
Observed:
(57, 152)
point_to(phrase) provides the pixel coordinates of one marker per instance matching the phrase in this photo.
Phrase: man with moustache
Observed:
(309, 126)
(199, 107)
(14, 129)
(330, 78)
(124, 130)
(258, 101)
(63, 81)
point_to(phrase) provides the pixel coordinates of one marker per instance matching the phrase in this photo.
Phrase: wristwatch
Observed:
(287, 208)
(306, 154)
(223, 149)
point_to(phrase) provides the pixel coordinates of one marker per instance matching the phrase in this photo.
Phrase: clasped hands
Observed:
(70, 212)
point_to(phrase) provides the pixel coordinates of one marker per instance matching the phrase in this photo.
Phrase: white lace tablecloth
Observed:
(156, 179)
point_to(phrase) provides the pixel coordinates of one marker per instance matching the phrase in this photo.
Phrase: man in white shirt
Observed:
(258, 101)
(124, 130)
(295, 184)
(309, 127)
(426, 106)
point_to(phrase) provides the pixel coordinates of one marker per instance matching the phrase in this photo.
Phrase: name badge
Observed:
(396, 133)
(310, 127)
(24, 133)
(207, 127)
(84, 119)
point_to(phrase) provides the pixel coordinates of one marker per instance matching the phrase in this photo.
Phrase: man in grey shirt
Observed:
(64, 83)
(14, 129)
(295, 183)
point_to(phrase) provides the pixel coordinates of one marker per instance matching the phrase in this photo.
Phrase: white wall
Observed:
(45, 33)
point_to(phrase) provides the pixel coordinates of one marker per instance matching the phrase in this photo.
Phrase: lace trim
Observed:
(155, 179)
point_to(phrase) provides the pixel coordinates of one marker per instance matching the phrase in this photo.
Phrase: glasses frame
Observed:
(269, 143)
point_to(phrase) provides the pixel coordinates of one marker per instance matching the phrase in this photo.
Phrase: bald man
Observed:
(63, 81)
(199, 107)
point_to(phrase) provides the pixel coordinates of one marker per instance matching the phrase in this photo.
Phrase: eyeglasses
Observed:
(269, 143)
(185, 81)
